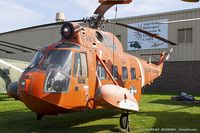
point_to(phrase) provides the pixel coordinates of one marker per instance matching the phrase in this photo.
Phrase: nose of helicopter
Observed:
(40, 105)
(33, 95)
(12, 90)
(32, 83)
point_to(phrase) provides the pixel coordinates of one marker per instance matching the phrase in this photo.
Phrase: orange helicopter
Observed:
(86, 69)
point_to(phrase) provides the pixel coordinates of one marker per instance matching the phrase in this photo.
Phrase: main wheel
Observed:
(124, 121)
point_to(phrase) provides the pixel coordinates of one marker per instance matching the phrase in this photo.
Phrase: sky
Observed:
(16, 14)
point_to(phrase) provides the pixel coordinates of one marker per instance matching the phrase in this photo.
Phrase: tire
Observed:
(124, 120)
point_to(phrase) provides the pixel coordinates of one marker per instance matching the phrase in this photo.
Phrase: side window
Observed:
(185, 35)
(133, 74)
(124, 73)
(101, 72)
(115, 71)
(84, 64)
(80, 64)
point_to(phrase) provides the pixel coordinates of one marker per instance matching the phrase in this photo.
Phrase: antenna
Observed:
(113, 35)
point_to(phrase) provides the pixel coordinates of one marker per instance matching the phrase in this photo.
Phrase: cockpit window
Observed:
(58, 65)
(36, 59)
(80, 64)
(57, 59)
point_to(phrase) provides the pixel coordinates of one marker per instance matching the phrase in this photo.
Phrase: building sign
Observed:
(140, 41)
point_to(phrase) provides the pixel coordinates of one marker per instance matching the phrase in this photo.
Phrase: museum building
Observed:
(181, 72)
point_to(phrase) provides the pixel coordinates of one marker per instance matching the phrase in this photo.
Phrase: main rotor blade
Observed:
(191, 0)
(15, 48)
(6, 51)
(107, 4)
(145, 32)
(102, 9)
(41, 26)
(14, 44)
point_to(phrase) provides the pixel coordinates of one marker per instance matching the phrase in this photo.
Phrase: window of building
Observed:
(133, 74)
(185, 35)
(80, 64)
(115, 71)
(124, 73)
(101, 72)
(189, 35)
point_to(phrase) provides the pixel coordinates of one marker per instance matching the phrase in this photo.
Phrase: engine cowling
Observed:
(70, 30)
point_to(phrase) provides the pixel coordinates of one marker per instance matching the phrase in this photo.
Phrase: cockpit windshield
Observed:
(58, 65)
(36, 59)
(57, 59)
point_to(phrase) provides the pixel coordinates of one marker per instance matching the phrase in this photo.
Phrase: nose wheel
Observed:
(124, 121)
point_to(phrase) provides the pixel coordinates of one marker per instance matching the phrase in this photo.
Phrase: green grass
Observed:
(157, 112)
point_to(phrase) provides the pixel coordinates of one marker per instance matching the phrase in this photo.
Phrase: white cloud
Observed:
(74, 9)
(141, 7)
(88, 5)
(14, 15)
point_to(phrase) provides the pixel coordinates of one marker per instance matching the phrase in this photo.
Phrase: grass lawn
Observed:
(157, 112)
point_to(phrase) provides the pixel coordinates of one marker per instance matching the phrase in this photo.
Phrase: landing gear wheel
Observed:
(124, 122)
(39, 116)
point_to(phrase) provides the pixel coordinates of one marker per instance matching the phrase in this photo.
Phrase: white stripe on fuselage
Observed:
(141, 70)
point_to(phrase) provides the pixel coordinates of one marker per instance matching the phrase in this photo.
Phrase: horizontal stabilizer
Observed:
(167, 54)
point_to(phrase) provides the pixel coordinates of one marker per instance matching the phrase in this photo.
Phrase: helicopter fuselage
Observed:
(65, 76)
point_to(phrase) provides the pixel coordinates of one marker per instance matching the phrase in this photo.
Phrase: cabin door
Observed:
(80, 78)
